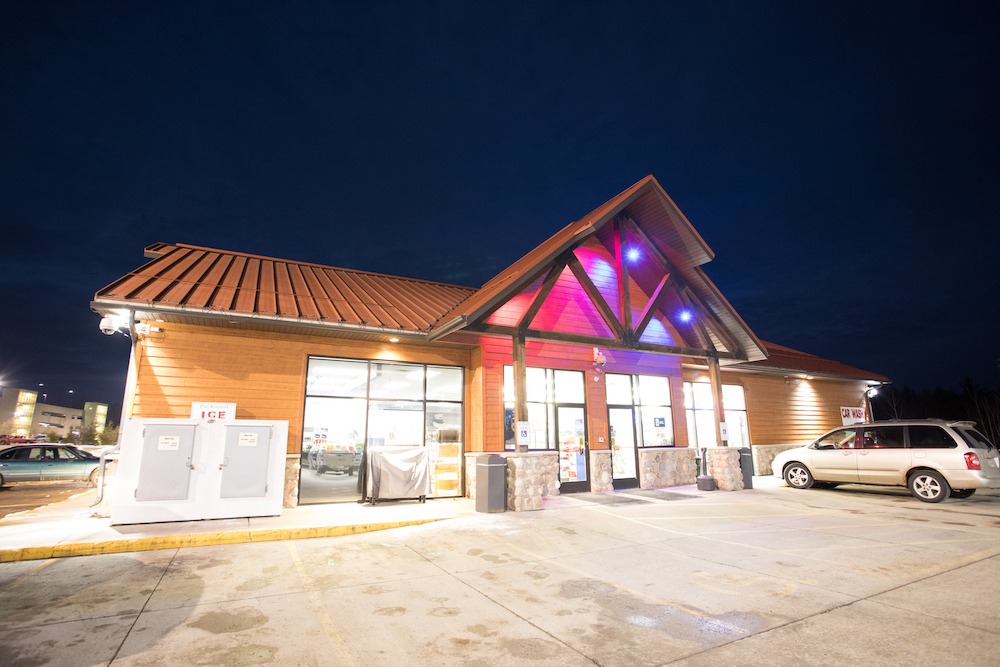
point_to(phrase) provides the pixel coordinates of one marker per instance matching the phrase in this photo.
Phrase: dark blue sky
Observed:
(839, 157)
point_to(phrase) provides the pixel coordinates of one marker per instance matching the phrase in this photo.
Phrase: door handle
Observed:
(189, 464)
(225, 462)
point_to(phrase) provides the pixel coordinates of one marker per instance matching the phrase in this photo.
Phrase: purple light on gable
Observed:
(632, 254)
(685, 316)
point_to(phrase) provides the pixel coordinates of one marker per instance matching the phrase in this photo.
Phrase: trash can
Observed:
(746, 466)
(491, 483)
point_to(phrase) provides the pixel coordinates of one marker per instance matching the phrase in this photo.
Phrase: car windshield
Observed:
(974, 438)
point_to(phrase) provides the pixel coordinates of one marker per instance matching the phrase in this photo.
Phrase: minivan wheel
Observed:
(929, 486)
(798, 476)
(962, 493)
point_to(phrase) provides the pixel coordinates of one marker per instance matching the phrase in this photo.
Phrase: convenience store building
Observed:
(603, 359)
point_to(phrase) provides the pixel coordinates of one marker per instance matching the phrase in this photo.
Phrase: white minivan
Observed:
(935, 459)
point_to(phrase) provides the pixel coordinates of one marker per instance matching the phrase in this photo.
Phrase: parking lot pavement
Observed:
(769, 576)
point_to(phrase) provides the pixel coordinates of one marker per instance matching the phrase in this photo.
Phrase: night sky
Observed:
(840, 158)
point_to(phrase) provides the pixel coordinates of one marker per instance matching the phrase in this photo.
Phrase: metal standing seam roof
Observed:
(784, 359)
(195, 280)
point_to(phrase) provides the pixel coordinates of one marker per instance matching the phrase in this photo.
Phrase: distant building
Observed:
(21, 414)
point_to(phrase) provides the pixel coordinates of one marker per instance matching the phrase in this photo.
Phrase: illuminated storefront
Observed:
(602, 359)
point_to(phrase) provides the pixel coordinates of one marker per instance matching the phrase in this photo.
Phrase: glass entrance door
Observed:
(573, 464)
(624, 454)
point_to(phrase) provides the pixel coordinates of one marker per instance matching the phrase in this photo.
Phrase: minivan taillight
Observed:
(972, 461)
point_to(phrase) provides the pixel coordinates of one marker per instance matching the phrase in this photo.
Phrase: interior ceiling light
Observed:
(393, 340)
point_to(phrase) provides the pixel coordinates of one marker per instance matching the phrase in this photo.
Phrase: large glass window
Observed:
(700, 411)
(546, 388)
(650, 396)
(353, 404)
(638, 416)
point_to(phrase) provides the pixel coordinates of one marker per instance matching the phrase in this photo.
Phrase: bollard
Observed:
(705, 481)
(746, 467)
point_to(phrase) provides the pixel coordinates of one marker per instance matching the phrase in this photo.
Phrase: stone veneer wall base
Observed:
(531, 476)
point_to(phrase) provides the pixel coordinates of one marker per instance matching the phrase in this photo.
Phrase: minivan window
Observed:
(882, 437)
(931, 437)
(975, 439)
(839, 439)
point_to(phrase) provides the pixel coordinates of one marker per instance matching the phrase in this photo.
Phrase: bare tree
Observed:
(985, 406)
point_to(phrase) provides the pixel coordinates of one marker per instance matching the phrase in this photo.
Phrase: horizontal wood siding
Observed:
(496, 351)
(474, 411)
(796, 412)
(262, 372)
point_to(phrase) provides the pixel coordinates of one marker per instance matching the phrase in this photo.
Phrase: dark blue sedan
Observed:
(42, 462)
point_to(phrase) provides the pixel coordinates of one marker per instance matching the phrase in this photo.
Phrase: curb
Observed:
(195, 540)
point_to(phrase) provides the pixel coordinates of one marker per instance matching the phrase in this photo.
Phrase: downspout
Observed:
(130, 382)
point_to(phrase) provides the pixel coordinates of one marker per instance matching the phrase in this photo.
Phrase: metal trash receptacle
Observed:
(746, 466)
(491, 483)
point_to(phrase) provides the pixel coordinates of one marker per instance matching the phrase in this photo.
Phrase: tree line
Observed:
(971, 403)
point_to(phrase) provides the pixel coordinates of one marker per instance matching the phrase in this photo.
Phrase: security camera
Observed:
(108, 326)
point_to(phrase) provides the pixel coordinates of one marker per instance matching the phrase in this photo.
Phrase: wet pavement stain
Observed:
(376, 590)
(252, 654)
(687, 624)
(531, 649)
(213, 563)
(391, 611)
(254, 584)
(224, 622)
(481, 630)
(445, 612)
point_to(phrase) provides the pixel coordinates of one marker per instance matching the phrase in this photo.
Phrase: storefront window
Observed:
(396, 423)
(445, 383)
(700, 412)
(353, 404)
(337, 377)
(396, 380)
(649, 395)
(546, 388)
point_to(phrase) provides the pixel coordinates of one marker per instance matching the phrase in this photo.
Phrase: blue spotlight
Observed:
(685, 316)
(632, 254)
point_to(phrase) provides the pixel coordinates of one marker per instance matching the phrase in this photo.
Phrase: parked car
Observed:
(934, 459)
(326, 458)
(41, 462)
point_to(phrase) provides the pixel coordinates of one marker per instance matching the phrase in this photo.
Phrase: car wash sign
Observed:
(852, 415)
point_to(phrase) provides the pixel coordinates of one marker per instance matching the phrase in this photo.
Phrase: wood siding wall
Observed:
(263, 373)
(797, 411)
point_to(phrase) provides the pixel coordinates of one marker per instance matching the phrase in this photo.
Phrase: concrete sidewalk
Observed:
(770, 576)
(66, 528)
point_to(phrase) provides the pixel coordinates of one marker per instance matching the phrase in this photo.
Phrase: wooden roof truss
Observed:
(706, 336)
